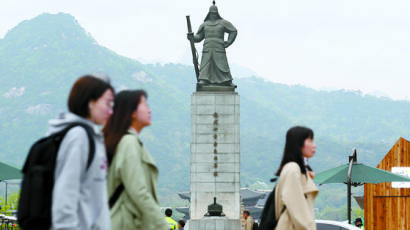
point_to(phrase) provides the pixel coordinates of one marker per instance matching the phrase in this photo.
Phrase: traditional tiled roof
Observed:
(245, 193)
(185, 195)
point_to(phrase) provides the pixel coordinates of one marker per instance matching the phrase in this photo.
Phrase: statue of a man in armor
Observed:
(214, 68)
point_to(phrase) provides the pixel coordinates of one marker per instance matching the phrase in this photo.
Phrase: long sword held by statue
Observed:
(194, 55)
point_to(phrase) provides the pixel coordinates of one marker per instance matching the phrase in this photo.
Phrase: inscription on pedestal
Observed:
(215, 155)
(215, 129)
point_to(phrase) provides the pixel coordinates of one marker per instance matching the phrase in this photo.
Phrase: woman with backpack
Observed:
(79, 196)
(132, 174)
(295, 191)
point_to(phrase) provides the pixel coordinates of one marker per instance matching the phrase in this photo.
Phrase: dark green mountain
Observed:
(41, 58)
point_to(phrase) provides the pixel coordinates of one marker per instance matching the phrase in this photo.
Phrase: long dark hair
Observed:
(295, 139)
(125, 104)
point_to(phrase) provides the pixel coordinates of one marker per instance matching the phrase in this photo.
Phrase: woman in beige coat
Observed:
(132, 174)
(295, 191)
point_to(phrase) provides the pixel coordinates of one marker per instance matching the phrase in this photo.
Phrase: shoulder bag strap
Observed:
(116, 195)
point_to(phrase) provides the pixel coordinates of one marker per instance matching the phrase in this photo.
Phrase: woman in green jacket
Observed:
(132, 173)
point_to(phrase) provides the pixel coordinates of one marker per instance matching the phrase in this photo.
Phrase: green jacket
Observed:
(138, 206)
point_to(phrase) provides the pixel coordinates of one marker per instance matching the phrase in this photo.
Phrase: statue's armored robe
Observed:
(214, 64)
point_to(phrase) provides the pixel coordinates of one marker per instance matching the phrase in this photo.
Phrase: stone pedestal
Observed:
(215, 223)
(215, 156)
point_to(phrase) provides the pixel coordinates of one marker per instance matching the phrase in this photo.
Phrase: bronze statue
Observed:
(214, 68)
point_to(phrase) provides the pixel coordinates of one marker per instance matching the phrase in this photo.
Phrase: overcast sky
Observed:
(324, 44)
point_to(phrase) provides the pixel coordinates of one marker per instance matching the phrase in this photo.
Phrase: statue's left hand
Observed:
(226, 44)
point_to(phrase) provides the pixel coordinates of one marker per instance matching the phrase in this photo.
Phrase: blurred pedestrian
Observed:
(79, 199)
(181, 224)
(248, 220)
(132, 174)
(171, 222)
(358, 223)
(295, 191)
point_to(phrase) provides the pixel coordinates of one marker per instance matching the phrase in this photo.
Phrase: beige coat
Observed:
(248, 223)
(138, 206)
(297, 192)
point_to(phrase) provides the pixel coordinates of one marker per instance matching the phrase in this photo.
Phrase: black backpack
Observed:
(268, 217)
(34, 208)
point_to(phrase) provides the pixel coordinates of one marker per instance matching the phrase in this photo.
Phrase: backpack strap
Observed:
(90, 134)
(92, 146)
(116, 195)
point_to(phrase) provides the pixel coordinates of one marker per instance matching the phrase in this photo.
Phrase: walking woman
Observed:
(79, 199)
(132, 174)
(295, 192)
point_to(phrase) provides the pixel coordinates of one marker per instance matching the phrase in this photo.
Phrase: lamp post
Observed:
(352, 160)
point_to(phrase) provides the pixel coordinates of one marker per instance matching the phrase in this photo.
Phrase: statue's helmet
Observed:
(213, 9)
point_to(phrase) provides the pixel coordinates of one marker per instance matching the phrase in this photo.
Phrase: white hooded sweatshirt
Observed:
(80, 199)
